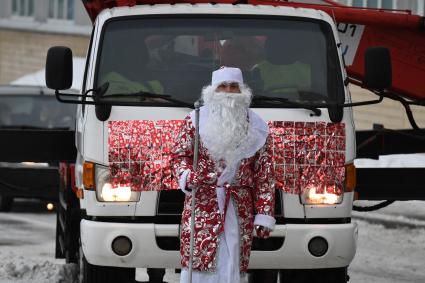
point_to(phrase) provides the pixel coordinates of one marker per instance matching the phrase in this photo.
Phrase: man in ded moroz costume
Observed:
(233, 181)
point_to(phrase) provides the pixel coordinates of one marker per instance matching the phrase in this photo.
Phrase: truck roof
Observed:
(208, 9)
(94, 7)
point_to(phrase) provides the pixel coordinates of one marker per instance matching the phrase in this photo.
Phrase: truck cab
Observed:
(146, 66)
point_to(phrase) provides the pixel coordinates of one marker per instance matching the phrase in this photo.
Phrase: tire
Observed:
(329, 275)
(67, 221)
(58, 249)
(6, 203)
(89, 273)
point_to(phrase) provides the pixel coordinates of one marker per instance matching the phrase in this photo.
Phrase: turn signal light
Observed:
(80, 193)
(350, 177)
(88, 176)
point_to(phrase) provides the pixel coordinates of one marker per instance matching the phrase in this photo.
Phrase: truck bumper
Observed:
(97, 237)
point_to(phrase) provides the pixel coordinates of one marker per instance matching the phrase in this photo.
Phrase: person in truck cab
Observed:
(284, 70)
(243, 52)
(127, 71)
(234, 181)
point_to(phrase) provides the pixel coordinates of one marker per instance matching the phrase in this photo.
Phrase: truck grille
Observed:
(270, 244)
(171, 203)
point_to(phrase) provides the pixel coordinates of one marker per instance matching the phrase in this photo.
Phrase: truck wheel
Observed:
(89, 273)
(68, 220)
(328, 275)
(6, 203)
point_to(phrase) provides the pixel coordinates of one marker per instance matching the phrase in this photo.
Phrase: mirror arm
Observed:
(406, 104)
(355, 81)
(59, 96)
(362, 103)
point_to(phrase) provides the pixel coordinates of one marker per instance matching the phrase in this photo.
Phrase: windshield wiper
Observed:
(287, 102)
(145, 94)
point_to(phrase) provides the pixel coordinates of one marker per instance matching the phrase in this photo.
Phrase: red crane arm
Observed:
(407, 49)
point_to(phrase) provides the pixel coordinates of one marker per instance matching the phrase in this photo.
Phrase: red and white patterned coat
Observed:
(252, 191)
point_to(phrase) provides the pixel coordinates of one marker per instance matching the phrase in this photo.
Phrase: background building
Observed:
(29, 27)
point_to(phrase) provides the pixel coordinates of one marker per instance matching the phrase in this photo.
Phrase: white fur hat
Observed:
(226, 74)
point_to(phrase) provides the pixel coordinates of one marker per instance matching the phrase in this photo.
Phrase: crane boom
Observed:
(398, 30)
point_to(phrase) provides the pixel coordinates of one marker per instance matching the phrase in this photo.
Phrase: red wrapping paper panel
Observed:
(305, 154)
(308, 154)
(139, 153)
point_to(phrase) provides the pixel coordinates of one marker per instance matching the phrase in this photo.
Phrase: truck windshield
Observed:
(294, 59)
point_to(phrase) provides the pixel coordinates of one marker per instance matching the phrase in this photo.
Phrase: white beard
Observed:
(227, 125)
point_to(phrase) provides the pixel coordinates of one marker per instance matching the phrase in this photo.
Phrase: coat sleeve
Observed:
(264, 192)
(182, 152)
(182, 159)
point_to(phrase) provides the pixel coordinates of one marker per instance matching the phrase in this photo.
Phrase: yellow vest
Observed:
(120, 84)
(285, 78)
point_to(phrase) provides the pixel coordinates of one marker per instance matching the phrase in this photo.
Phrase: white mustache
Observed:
(227, 124)
(227, 99)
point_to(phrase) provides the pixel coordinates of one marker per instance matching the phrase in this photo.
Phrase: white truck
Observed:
(148, 63)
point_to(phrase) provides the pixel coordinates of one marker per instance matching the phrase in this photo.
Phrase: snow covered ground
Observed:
(27, 247)
(391, 246)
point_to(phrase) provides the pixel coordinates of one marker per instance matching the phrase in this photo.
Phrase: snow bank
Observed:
(18, 268)
(393, 161)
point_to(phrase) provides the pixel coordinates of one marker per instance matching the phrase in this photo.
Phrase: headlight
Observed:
(106, 193)
(330, 195)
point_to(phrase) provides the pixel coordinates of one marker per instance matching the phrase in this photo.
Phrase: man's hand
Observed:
(262, 232)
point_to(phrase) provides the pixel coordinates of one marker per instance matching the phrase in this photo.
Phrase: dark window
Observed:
(387, 4)
(70, 10)
(61, 9)
(36, 111)
(15, 7)
(23, 8)
(372, 3)
(358, 3)
(295, 59)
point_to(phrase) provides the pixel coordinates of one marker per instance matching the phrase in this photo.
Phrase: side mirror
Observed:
(59, 68)
(378, 70)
